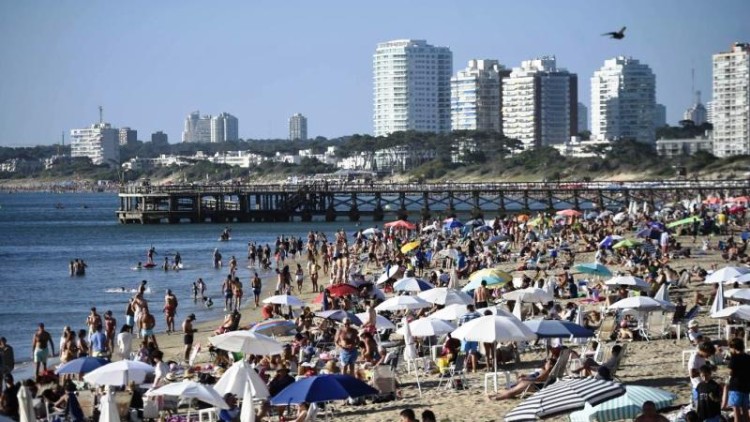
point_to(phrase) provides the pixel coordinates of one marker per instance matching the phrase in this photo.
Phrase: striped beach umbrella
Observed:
(627, 406)
(564, 397)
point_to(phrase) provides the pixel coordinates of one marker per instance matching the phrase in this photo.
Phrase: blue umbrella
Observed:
(547, 328)
(82, 365)
(657, 225)
(594, 268)
(323, 388)
(453, 224)
(644, 233)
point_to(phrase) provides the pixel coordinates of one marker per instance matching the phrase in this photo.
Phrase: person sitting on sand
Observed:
(524, 381)
(649, 414)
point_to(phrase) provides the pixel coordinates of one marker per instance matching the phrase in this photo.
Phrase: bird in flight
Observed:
(617, 35)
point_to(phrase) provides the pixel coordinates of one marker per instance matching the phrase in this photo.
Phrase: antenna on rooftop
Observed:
(101, 114)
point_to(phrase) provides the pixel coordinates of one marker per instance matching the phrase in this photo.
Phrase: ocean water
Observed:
(38, 240)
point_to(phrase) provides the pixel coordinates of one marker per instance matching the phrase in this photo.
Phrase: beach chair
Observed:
(122, 400)
(312, 413)
(456, 377)
(559, 371)
(619, 363)
(606, 329)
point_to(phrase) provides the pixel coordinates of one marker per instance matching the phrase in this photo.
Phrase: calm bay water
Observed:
(38, 240)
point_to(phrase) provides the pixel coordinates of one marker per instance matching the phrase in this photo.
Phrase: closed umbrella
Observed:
(285, 300)
(548, 328)
(530, 295)
(108, 408)
(564, 397)
(718, 304)
(579, 321)
(246, 342)
(663, 293)
(322, 388)
(629, 281)
(26, 411)
(627, 406)
(412, 284)
(446, 296)
(380, 321)
(410, 350)
(427, 327)
(402, 303)
(119, 373)
(241, 379)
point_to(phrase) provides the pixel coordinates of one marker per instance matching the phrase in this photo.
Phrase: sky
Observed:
(151, 63)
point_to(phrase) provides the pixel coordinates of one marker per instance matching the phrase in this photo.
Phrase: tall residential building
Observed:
(224, 127)
(710, 112)
(412, 87)
(697, 112)
(298, 127)
(197, 128)
(477, 96)
(731, 101)
(159, 138)
(540, 103)
(623, 101)
(583, 117)
(127, 135)
(100, 143)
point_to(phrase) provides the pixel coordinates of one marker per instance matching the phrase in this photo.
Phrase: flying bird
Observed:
(616, 35)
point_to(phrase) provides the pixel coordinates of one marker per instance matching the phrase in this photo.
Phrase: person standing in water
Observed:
(177, 261)
(150, 255)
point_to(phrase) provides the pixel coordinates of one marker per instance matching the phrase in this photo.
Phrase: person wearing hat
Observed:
(233, 413)
(693, 333)
(188, 331)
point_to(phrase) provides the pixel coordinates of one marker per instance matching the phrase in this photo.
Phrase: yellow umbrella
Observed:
(406, 248)
(627, 243)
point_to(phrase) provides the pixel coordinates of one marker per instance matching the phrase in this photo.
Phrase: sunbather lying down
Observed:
(524, 381)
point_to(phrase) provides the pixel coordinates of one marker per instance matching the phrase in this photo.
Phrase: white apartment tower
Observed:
(298, 127)
(540, 103)
(100, 143)
(197, 128)
(411, 87)
(623, 101)
(730, 111)
(697, 112)
(477, 96)
(224, 127)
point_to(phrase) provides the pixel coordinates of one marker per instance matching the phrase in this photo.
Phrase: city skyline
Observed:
(141, 60)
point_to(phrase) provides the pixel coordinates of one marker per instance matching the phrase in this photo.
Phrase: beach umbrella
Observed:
(274, 327)
(627, 406)
(644, 233)
(550, 328)
(448, 253)
(388, 274)
(738, 294)
(26, 410)
(82, 365)
(339, 315)
(191, 390)
(450, 312)
(642, 303)
(446, 296)
(322, 388)
(400, 224)
(285, 300)
(496, 239)
(246, 342)
(564, 397)
(381, 322)
(485, 229)
(410, 349)
(663, 293)
(475, 222)
(108, 408)
(718, 304)
(626, 243)
(119, 373)
(401, 303)
(690, 220)
(743, 279)
(239, 376)
(342, 289)
(529, 294)
(427, 327)
(569, 213)
(496, 310)
(493, 329)
(518, 310)
(620, 217)
(429, 228)
(628, 281)
(579, 321)
(522, 218)
(737, 312)
(452, 224)
(408, 247)
(372, 231)
(412, 284)
(493, 277)
(594, 268)
(727, 274)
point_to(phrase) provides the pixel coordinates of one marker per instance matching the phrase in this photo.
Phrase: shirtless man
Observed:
(649, 413)
(41, 346)
(139, 306)
(110, 326)
(226, 288)
(147, 324)
(480, 295)
(93, 321)
(188, 330)
(170, 310)
(256, 284)
(346, 340)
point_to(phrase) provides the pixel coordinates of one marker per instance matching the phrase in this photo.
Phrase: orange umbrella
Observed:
(400, 224)
(522, 218)
(569, 213)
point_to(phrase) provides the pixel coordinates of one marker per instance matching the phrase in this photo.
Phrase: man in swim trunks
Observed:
(110, 326)
(41, 346)
(257, 284)
(480, 295)
(147, 324)
(226, 288)
(346, 340)
(188, 330)
(170, 310)
(93, 321)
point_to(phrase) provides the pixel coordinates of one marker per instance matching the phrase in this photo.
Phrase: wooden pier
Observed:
(230, 203)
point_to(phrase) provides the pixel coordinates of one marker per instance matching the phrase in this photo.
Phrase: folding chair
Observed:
(558, 372)
(619, 362)
(606, 329)
(456, 369)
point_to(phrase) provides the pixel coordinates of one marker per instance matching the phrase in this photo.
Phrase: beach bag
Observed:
(150, 409)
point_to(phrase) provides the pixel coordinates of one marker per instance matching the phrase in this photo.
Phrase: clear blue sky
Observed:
(150, 63)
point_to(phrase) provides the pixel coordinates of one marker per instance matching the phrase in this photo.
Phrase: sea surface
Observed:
(40, 233)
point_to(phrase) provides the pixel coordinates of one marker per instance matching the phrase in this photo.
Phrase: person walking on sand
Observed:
(170, 310)
(92, 321)
(147, 324)
(257, 285)
(188, 331)
(110, 325)
(41, 346)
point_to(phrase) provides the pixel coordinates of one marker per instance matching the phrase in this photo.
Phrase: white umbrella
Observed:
(426, 327)
(246, 342)
(119, 373)
(726, 274)
(628, 281)
(450, 312)
(549, 286)
(247, 413)
(579, 321)
(108, 408)
(25, 405)
(380, 321)
(518, 310)
(401, 303)
(718, 304)
(429, 228)
(286, 300)
(743, 279)
(387, 275)
(410, 351)
(529, 294)
(239, 375)
(496, 310)
(446, 296)
(493, 329)
(371, 231)
(738, 294)
(191, 390)
(412, 284)
(448, 253)
(642, 303)
(738, 312)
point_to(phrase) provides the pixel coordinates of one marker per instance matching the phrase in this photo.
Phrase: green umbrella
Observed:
(627, 406)
(690, 220)
(627, 243)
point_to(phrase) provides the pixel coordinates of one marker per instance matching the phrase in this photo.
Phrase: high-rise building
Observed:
(731, 101)
(623, 101)
(298, 127)
(660, 115)
(583, 117)
(128, 135)
(412, 87)
(477, 96)
(224, 127)
(197, 128)
(710, 112)
(159, 138)
(540, 103)
(100, 143)
(697, 112)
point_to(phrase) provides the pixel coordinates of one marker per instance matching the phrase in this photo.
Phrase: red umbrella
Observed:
(400, 224)
(569, 213)
(338, 290)
(737, 209)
